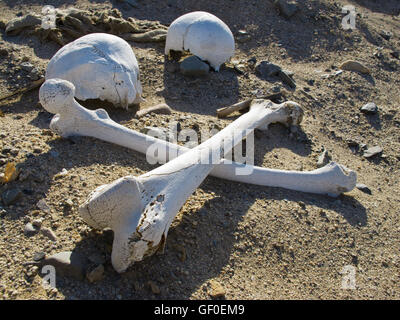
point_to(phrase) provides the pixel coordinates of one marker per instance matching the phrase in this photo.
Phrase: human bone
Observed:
(71, 119)
(204, 35)
(141, 209)
(101, 66)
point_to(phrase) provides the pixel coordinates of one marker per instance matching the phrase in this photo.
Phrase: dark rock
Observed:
(3, 53)
(385, 34)
(194, 67)
(371, 152)
(362, 187)
(323, 159)
(369, 108)
(27, 66)
(68, 264)
(11, 196)
(242, 36)
(267, 69)
(286, 8)
(395, 54)
(286, 78)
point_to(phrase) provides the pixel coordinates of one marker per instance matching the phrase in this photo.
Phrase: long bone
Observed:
(140, 209)
(72, 119)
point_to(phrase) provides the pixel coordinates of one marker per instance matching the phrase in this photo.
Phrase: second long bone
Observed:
(72, 119)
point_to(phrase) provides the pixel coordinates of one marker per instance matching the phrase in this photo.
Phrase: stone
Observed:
(286, 8)
(217, 290)
(194, 67)
(42, 205)
(351, 65)
(3, 52)
(154, 287)
(68, 204)
(373, 151)
(15, 26)
(11, 196)
(161, 108)
(27, 66)
(362, 187)
(323, 159)
(39, 256)
(242, 36)
(369, 108)
(30, 230)
(37, 223)
(267, 69)
(96, 274)
(49, 234)
(67, 264)
(395, 54)
(286, 78)
(386, 34)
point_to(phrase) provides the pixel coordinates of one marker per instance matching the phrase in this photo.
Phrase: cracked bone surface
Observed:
(101, 66)
(204, 35)
(71, 119)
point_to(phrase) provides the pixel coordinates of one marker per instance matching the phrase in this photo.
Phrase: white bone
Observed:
(204, 35)
(101, 66)
(72, 119)
(141, 209)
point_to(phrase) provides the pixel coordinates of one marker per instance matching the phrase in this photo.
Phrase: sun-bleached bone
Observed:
(72, 119)
(101, 66)
(204, 35)
(140, 209)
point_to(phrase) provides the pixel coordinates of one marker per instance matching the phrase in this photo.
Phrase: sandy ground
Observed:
(256, 242)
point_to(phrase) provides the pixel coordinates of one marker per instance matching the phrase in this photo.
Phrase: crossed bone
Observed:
(140, 209)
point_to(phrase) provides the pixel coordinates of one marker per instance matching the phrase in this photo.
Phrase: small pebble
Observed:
(373, 151)
(30, 230)
(369, 108)
(362, 187)
(217, 290)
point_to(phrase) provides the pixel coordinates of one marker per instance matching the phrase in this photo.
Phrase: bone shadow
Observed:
(374, 120)
(192, 94)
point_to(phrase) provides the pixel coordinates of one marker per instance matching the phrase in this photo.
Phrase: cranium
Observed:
(101, 66)
(204, 35)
